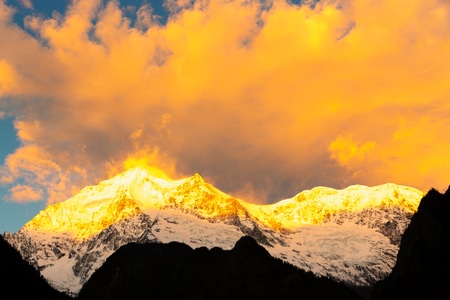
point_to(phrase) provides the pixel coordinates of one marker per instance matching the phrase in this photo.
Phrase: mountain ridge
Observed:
(420, 271)
(176, 271)
(132, 198)
(351, 235)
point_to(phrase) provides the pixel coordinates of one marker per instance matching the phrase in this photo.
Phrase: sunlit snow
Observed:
(350, 235)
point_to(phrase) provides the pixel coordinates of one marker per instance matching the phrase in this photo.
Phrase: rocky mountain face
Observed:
(351, 235)
(176, 271)
(423, 261)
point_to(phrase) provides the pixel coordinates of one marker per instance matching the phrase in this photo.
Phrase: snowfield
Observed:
(351, 235)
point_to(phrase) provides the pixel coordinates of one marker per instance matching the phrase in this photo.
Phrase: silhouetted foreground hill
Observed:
(19, 280)
(422, 270)
(176, 271)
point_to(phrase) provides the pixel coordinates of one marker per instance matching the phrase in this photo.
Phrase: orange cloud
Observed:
(8, 78)
(37, 169)
(24, 194)
(255, 96)
(27, 4)
(350, 153)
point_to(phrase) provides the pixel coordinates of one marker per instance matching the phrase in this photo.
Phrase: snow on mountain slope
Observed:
(319, 204)
(351, 235)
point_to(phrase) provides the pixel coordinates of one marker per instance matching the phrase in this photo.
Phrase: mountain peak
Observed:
(98, 206)
(248, 245)
(316, 205)
(125, 195)
(144, 205)
(138, 173)
(143, 188)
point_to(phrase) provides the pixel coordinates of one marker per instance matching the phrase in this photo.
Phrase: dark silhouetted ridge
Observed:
(19, 280)
(422, 270)
(176, 271)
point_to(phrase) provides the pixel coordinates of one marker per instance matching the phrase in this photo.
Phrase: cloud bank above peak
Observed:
(264, 99)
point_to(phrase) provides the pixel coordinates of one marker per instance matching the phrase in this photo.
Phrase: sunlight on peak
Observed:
(143, 188)
(139, 187)
(317, 205)
(142, 164)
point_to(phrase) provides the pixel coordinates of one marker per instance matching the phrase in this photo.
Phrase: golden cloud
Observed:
(24, 193)
(254, 95)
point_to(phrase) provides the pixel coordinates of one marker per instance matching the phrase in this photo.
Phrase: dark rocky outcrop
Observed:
(19, 280)
(176, 271)
(422, 270)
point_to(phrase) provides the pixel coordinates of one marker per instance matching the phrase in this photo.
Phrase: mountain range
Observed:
(351, 236)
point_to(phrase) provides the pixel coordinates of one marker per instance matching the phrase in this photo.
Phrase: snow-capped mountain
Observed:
(351, 235)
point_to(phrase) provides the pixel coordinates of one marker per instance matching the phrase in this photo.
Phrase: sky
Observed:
(263, 98)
